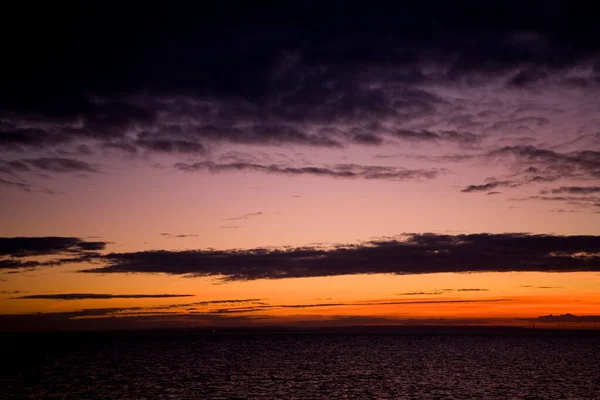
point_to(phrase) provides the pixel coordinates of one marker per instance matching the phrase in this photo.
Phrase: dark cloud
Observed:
(496, 42)
(37, 246)
(568, 318)
(239, 310)
(15, 264)
(97, 296)
(487, 186)
(409, 254)
(335, 171)
(542, 287)
(245, 216)
(257, 74)
(574, 190)
(13, 251)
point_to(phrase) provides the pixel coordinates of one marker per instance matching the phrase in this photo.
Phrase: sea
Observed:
(384, 364)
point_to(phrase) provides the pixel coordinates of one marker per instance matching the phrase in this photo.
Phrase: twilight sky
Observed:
(300, 164)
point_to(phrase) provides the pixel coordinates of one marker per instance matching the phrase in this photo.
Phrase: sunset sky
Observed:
(300, 164)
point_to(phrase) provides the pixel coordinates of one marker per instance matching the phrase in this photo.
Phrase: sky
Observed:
(300, 164)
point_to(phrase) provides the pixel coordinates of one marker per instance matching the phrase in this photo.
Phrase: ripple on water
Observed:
(296, 366)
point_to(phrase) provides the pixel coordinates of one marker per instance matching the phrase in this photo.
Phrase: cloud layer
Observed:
(227, 83)
(408, 254)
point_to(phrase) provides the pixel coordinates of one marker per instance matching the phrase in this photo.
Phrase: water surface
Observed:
(300, 366)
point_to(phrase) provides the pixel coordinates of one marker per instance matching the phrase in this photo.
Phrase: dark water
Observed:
(300, 366)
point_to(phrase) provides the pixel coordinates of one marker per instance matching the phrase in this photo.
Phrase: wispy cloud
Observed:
(542, 165)
(46, 164)
(245, 216)
(442, 291)
(347, 171)
(450, 136)
(421, 293)
(542, 287)
(488, 186)
(178, 236)
(577, 190)
(97, 296)
(579, 202)
(14, 184)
